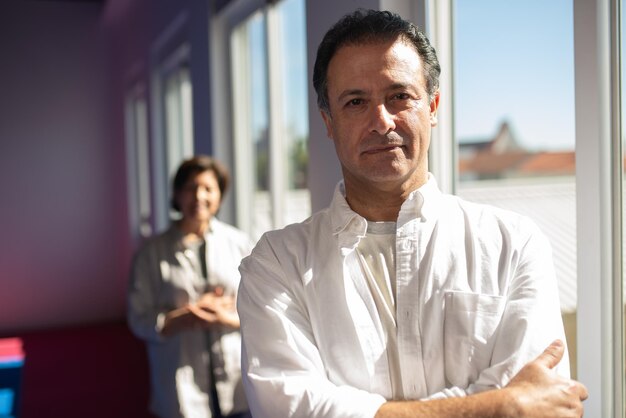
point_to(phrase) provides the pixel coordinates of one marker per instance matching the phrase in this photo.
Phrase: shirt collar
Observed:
(176, 234)
(423, 203)
(343, 218)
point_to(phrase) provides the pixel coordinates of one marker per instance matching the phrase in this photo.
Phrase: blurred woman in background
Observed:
(181, 301)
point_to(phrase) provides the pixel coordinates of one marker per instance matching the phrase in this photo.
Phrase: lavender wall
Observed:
(65, 244)
(61, 225)
(62, 219)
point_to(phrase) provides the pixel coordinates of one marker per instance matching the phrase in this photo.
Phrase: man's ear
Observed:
(328, 122)
(434, 105)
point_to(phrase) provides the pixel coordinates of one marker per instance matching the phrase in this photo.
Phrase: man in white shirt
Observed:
(398, 300)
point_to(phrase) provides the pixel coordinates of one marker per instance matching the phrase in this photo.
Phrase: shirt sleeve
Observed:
(531, 319)
(282, 369)
(144, 318)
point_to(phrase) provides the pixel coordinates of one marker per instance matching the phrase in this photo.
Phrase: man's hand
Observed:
(537, 391)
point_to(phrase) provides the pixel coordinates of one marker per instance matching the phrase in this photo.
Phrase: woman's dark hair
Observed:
(368, 26)
(197, 165)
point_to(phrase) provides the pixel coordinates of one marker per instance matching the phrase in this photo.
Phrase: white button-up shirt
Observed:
(164, 277)
(476, 299)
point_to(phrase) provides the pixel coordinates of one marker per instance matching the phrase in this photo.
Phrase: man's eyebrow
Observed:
(359, 92)
(351, 92)
(400, 86)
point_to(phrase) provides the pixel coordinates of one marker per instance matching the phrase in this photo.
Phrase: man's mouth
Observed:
(382, 148)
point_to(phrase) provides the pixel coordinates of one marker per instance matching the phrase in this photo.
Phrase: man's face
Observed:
(380, 114)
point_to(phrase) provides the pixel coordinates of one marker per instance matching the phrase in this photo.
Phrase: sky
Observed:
(514, 60)
(292, 35)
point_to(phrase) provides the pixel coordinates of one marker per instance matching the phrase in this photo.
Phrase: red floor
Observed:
(91, 371)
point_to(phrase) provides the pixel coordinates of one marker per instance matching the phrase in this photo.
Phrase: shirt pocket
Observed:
(470, 324)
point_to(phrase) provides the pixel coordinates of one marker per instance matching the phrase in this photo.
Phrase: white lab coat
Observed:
(163, 278)
(476, 299)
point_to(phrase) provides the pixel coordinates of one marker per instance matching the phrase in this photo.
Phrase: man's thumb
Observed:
(552, 355)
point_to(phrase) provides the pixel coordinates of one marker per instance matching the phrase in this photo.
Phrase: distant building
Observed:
(504, 157)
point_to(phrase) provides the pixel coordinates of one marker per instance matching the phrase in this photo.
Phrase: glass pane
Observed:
(270, 116)
(177, 92)
(251, 119)
(293, 53)
(514, 121)
(139, 206)
(172, 122)
(186, 113)
(178, 118)
(259, 115)
(292, 34)
(143, 168)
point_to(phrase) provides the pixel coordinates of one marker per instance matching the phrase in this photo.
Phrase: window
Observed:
(138, 166)
(514, 122)
(270, 116)
(598, 184)
(178, 116)
(583, 116)
(173, 121)
(251, 122)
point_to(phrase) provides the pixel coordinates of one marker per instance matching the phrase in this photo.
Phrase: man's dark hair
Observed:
(369, 26)
(197, 165)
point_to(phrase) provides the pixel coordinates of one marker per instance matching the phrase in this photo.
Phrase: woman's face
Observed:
(200, 198)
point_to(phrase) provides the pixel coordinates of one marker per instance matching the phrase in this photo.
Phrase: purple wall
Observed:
(65, 244)
(63, 225)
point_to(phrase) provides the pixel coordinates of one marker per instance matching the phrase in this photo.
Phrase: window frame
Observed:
(598, 180)
(231, 136)
(599, 165)
(140, 212)
(599, 183)
(170, 50)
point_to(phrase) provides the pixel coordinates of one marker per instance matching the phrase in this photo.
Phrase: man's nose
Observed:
(381, 120)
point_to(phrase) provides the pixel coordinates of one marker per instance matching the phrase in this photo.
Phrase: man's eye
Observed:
(401, 96)
(355, 102)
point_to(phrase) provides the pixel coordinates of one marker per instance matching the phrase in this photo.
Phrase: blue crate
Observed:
(6, 402)
(11, 364)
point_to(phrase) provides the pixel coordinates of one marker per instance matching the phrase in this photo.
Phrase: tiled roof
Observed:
(549, 162)
(518, 163)
(551, 203)
(493, 164)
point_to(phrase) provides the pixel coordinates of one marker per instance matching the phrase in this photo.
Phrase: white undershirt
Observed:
(377, 250)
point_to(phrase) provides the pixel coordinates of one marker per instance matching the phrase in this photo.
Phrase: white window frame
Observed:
(599, 174)
(223, 98)
(599, 185)
(179, 124)
(138, 163)
(232, 138)
(600, 359)
(599, 171)
(170, 50)
(600, 335)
